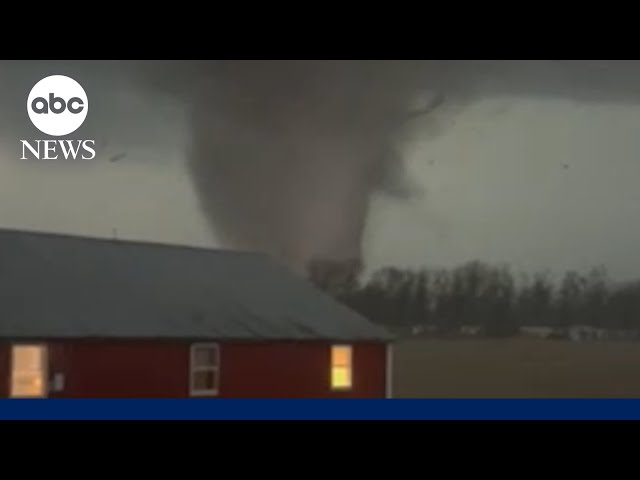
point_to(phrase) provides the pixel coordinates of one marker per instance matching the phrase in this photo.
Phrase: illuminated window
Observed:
(341, 367)
(205, 360)
(28, 371)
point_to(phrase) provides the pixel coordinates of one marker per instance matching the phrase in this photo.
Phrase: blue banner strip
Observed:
(320, 409)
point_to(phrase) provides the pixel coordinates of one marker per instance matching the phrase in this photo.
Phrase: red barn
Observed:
(91, 318)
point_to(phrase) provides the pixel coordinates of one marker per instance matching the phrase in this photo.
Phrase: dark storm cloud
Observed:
(285, 155)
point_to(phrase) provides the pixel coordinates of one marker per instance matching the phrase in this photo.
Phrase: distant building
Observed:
(584, 333)
(418, 330)
(471, 330)
(537, 331)
(103, 318)
(620, 335)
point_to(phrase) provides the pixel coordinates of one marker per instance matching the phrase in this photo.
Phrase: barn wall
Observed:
(291, 370)
(121, 369)
(132, 369)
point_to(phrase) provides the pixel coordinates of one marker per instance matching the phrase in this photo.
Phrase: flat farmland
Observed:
(515, 368)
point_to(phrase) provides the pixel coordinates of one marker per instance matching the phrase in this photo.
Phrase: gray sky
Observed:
(531, 163)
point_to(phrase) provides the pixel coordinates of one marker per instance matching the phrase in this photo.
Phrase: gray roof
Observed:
(60, 286)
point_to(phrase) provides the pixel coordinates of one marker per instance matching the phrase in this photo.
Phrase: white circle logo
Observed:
(57, 105)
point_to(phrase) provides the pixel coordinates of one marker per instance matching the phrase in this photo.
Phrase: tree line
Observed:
(493, 298)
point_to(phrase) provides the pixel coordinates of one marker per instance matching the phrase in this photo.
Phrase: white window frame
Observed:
(44, 368)
(193, 368)
(331, 366)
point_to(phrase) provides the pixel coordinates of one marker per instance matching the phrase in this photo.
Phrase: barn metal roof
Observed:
(62, 286)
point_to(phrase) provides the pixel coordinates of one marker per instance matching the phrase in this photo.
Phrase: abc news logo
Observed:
(41, 105)
(58, 106)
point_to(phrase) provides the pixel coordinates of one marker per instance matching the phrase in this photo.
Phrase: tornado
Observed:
(285, 155)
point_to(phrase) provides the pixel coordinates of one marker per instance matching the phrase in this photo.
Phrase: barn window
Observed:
(28, 371)
(205, 371)
(341, 366)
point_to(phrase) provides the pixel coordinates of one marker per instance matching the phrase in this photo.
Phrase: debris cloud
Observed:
(286, 154)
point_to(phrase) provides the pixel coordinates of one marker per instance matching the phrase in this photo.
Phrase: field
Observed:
(522, 367)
